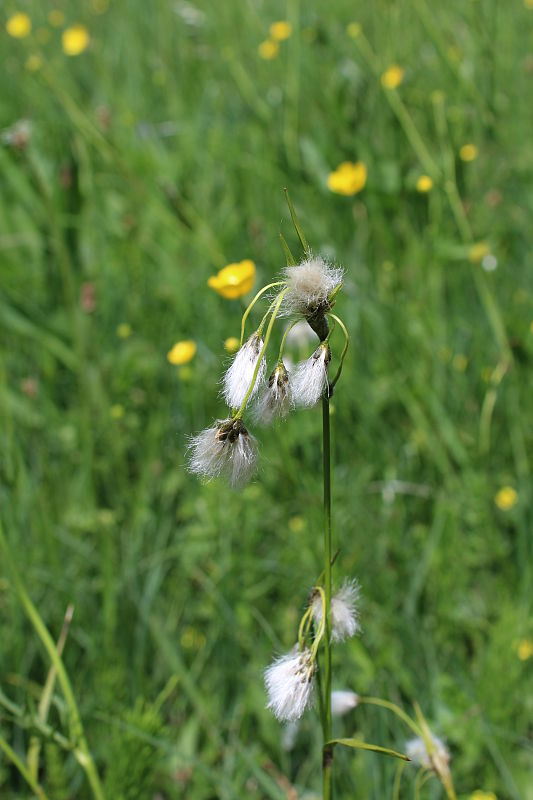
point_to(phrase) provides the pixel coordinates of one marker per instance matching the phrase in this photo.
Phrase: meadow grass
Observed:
(156, 157)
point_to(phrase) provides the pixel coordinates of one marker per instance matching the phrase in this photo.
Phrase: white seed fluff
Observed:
(310, 285)
(438, 760)
(239, 376)
(343, 701)
(275, 399)
(310, 378)
(224, 449)
(344, 614)
(289, 684)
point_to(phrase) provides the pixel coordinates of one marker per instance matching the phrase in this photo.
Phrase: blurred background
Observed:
(144, 147)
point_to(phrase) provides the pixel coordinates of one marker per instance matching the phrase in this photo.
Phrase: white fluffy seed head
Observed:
(310, 378)
(439, 759)
(311, 285)
(344, 613)
(289, 684)
(343, 701)
(275, 399)
(225, 449)
(239, 376)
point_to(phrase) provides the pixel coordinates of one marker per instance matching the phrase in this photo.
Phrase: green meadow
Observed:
(131, 173)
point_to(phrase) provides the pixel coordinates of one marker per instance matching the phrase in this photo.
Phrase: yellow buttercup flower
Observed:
(353, 29)
(392, 77)
(348, 178)
(116, 411)
(124, 330)
(235, 280)
(478, 252)
(182, 352)
(525, 649)
(56, 18)
(479, 795)
(506, 498)
(268, 49)
(19, 26)
(231, 345)
(468, 152)
(424, 184)
(75, 40)
(279, 31)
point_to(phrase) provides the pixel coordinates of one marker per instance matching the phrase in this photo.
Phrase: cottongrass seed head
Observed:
(289, 684)
(311, 285)
(239, 376)
(225, 449)
(342, 701)
(438, 760)
(344, 613)
(275, 399)
(310, 378)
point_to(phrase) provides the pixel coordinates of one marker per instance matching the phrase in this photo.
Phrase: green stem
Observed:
(377, 701)
(282, 345)
(19, 764)
(82, 752)
(344, 349)
(252, 304)
(326, 444)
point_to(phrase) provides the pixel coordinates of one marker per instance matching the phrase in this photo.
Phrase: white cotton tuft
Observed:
(225, 449)
(310, 286)
(310, 378)
(289, 684)
(438, 760)
(343, 701)
(240, 374)
(344, 614)
(275, 399)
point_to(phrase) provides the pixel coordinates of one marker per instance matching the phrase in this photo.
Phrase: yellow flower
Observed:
(348, 178)
(75, 40)
(424, 184)
(116, 411)
(296, 524)
(56, 18)
(279, 31)
(231, 345)
(468, 152)
(268, 49)
(392, 77)
(235, 280)
(528, 3)
(479, 795)
(460, 362)
(34, 62)
(478, 252)
(182, 352)
(525, 649)
(19, 26)
(506, 498)
(353, 30)
(124, 330)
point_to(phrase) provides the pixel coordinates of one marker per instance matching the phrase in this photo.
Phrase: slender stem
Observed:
(82, 751)
(252, 304)
(377, 701)
(282, 345)
(19, 764)
(344, 349)
(328, 752)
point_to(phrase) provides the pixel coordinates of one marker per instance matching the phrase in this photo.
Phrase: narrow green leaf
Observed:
(286, 249)
(357, 744)
(296, 224)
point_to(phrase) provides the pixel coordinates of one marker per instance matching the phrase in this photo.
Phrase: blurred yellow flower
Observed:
(506, 498)
(124, 330)
(75, 40)
(34, 62)
(353, 29)
(279, 31)
(268, 49)
(478, 252)
(392, 77)
(116, 411)
(348, 178)
(235, 280)
(424, 184)
(56, 18)
(468, 152)
(182, 352)
(528, 3)
(19, 26)
(479, 795)
(231, 345)
(525, 649)
(296, 524)
(460, 362)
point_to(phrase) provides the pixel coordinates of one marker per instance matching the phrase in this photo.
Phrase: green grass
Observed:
(156, 157)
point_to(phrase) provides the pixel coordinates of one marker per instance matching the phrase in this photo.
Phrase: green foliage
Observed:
(156, 157)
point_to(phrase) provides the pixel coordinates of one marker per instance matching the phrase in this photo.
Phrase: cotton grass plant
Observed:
(306, 291)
